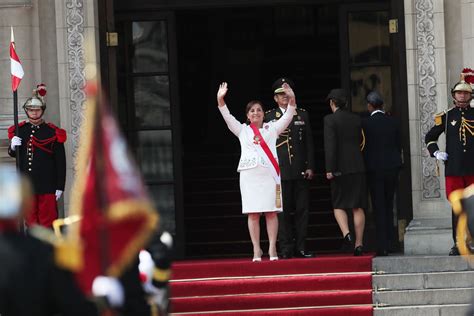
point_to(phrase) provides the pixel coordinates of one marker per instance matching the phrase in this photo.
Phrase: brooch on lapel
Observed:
(278, 114)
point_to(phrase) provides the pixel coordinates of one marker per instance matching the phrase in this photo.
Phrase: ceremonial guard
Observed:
(295, 150)
(40, 147)
(458, 125)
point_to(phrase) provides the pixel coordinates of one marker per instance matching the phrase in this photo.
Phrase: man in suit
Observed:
(343, 140)
(457, 124)
(382, 155)
(295, 151)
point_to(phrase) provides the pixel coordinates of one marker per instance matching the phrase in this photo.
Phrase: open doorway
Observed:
(249, 48)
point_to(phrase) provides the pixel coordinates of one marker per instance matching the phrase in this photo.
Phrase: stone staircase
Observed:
(422, 286)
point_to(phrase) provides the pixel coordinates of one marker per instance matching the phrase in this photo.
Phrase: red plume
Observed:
(41, 88)
(469, 75)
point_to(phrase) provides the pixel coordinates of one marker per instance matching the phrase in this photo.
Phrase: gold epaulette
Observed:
(439, 118)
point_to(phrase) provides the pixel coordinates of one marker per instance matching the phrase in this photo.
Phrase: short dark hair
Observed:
(375, 99)
(339, 103)
(252, 103)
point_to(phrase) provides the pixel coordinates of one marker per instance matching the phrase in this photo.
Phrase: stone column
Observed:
(77, 25)
(430, 230)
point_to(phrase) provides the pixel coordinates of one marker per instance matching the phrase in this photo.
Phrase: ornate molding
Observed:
(427, 92)
(77, 79)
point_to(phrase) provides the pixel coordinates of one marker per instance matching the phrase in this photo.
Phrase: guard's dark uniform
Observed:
(43, 160)
(295, 150)
(458, 125)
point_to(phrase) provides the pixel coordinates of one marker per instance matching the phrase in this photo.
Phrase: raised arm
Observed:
(285, 120)
(232, 123)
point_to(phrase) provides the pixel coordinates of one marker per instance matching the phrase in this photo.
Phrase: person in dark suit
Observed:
(295, 150)
(382, 153)
(343, 142)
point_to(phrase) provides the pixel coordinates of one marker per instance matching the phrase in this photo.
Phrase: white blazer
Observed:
(249, 157)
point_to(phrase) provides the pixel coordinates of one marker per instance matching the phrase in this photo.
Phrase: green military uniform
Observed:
(295, 150)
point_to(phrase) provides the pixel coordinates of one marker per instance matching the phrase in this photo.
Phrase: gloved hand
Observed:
(58, 194)
(110, 288)
(441, 155)
(16, 141)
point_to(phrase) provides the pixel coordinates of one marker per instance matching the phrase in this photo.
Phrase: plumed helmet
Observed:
(37, 100)
(15, 193)
(462, 86)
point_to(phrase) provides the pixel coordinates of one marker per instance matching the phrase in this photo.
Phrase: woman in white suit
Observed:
(258, 166)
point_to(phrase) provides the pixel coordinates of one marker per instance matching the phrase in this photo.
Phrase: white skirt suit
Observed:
(257, 185)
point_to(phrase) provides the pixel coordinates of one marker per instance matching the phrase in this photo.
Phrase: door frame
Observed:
(400, 98)
(109, 77)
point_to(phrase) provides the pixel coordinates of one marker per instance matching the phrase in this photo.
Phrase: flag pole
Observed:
(15, 121)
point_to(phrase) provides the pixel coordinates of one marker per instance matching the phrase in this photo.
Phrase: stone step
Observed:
(423, 310)
(420, 281)
(424, 297)
(419, 264)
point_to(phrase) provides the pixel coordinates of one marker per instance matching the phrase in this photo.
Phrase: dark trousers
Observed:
(382, 186)
(292, 231)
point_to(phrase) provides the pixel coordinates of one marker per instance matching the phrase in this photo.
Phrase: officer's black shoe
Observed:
(454, 251)
(285, 255)
(303, 254)
(358, 251)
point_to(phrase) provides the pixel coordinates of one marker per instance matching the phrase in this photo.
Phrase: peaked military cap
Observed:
(276, 87)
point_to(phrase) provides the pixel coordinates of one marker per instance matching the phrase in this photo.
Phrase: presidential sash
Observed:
(266, 154)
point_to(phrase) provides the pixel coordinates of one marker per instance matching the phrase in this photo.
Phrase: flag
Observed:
(15, 65)
(109, 195)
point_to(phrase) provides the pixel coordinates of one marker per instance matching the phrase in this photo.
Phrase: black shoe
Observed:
(303, 254)
(358, 251)
(454, 251)
(285, 255)
(348, 243)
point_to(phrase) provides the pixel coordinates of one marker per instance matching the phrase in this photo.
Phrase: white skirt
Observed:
(258, 191)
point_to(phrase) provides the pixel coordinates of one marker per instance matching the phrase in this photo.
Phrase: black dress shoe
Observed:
(454, 251)
(303, 254)
(285, 255)
(358, 251)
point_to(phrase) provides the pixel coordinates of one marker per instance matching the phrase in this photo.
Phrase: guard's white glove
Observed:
(58, 194)
(16, 141)
(110, 288)
(441, 155)
(146, 268)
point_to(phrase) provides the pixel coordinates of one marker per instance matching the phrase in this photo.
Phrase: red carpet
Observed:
(327, 285)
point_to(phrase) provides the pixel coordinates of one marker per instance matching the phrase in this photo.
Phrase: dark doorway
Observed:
(249, 48)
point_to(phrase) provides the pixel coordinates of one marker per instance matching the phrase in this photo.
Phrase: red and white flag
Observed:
(16, 68)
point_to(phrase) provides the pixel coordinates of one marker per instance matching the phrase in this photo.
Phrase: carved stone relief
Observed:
(77, 79)
(427, 92)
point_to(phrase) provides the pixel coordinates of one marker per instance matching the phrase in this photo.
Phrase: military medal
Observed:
(278, 114)
(256, 140)
(453, 123)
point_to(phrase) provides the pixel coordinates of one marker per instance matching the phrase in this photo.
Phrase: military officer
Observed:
(458, 125)
(42, 158)
(295, 150)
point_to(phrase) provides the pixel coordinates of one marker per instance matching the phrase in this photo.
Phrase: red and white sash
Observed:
(266, 154)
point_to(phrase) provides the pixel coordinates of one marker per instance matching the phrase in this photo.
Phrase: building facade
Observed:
(160, 63)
